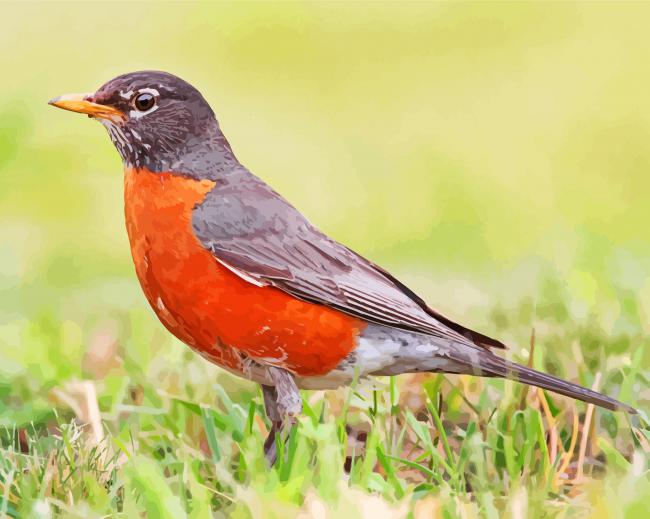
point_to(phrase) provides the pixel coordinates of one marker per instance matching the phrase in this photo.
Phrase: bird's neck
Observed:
(208, 155)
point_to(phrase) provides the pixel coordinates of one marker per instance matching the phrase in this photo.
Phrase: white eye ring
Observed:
(134, 114)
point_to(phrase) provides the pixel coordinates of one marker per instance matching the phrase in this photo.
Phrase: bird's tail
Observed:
(487, 364)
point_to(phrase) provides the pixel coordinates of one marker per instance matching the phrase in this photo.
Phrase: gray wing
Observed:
(255, 232)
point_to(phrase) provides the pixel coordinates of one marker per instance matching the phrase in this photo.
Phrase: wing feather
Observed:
(258, 234)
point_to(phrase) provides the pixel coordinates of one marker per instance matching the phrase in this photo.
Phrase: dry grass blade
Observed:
(585, 434)
(566, 457)
(552, 428)
(643, 441)
(81, 397)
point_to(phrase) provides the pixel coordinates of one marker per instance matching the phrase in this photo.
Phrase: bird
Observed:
(237, 273)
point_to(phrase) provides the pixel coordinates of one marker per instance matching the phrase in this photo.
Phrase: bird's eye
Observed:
(144, 102)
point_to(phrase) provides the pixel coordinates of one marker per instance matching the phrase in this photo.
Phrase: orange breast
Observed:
(209, 307)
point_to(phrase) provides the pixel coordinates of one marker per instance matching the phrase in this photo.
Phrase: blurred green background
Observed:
(482, 151)
(495, 156)
(475, 149)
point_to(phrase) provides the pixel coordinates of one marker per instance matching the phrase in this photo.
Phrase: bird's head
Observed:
(155, 119)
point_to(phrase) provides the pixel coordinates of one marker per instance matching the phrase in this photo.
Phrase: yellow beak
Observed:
(79, 103)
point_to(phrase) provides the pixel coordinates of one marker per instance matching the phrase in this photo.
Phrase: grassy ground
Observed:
(494, 156)
(132, 422)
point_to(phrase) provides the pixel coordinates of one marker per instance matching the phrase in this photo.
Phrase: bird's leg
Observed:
(283, 404)
(273, 414)
(289, 403)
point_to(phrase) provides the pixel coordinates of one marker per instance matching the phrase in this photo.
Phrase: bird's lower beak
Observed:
(81, 103)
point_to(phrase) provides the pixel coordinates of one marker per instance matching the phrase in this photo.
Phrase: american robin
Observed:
(236, 272)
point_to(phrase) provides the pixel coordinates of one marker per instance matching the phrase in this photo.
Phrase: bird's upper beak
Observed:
(82, 103)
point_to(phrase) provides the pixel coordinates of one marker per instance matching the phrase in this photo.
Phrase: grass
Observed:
(160, 431)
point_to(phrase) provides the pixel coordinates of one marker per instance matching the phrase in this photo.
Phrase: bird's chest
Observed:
(169, 260)
(205, 304)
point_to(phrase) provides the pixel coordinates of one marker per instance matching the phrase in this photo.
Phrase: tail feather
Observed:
(488, 364)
